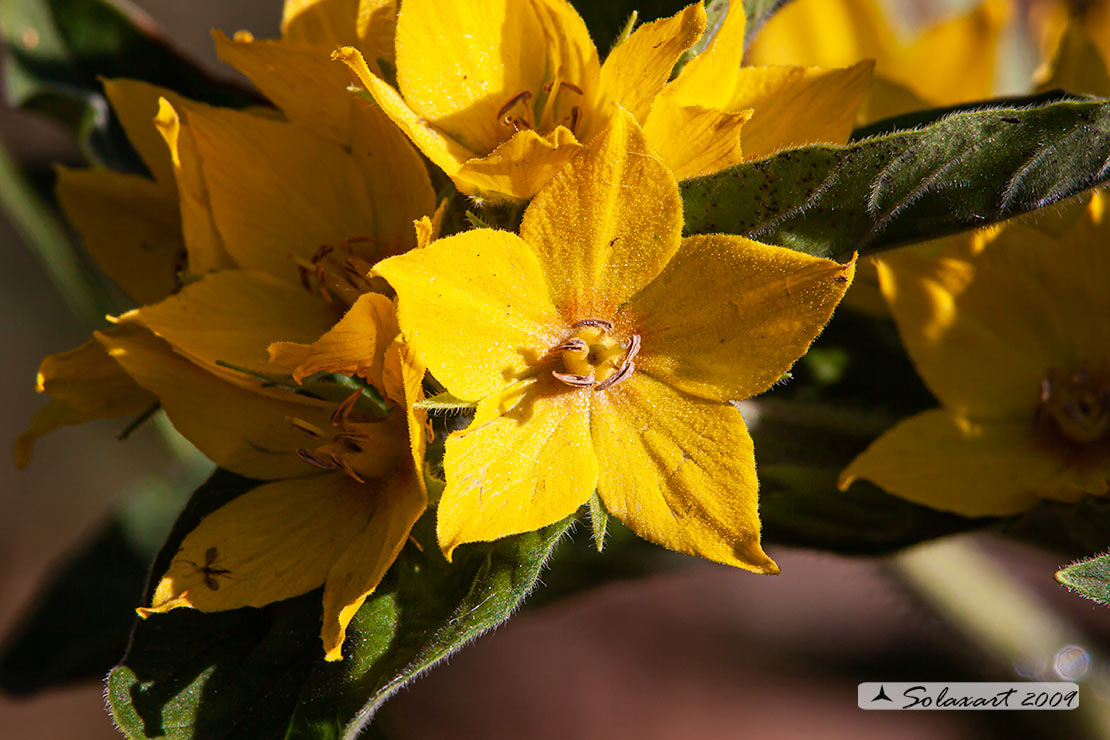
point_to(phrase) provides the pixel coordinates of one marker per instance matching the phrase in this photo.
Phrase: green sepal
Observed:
(963, 172)
(260, 673)
(1090, 578)
(445, 402)
(599, 520)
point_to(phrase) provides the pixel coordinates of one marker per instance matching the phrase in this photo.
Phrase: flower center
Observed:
(1076, 404)
(593, 357)
(338, 269)
(355, 449)
(543, 115)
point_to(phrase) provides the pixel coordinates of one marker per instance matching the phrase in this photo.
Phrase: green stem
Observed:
(46, 238)
(994, 610)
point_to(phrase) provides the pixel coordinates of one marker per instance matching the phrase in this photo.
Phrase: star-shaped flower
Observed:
(603, 350)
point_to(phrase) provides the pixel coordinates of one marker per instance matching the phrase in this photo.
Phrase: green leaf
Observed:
(599, 520)
(260, 673)
(57, 49)
(963, 172)
(1090, 578)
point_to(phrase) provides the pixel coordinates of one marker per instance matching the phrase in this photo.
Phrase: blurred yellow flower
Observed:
(1014, 343)
(501, 94)
(951, 62)
(602, 350)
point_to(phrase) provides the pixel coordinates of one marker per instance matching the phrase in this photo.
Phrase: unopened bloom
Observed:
(602, 350)
(1014, 344)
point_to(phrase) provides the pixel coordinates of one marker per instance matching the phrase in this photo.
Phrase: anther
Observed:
(574, 344)
(578, 381)
(599, 323)
(633, 348)
(623, 374)
(523, 95)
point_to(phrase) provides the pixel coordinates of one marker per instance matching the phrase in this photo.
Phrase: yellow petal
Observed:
(785, 100)
(693, 140)
(329, 23)
(459, 61)
(728, 316)
(396, 177)
(274, 542)
(1076, 65)
(955, 60)
(397, 504)
(475, 308)
(404, 384)
(519, 167)
(202, 240)
(356, 345)
(136, 104)
(130, 225)
(709, 78)
(233, 316)
(447, 153)
(518, 471)
(83, 384)
(636, 71)
(377, 31)
(247, 432)
(606, 224)
(277, 191)
(571, 51)
(982, 332)
(824, 33)
(679, 471)
(992, 469)
(299, 78)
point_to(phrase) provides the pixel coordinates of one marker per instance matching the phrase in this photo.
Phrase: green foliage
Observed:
(967, 170)
(1091, 578)
(599, 520)
(260, 673)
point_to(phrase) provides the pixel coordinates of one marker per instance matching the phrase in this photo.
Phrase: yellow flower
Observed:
(278, 225)
(501, 94)
(1014, 345)
(603, 350)
(951, 62)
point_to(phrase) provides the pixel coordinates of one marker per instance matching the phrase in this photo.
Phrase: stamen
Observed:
(633, 348)
(343, 410)
(575, 114)
(599, 323)
(623, 374)
(311, 459)
(574, 344)
(514, 121)
(578, 381)
(563, 85)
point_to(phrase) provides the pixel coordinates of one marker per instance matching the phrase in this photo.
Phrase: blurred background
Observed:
(695, 651)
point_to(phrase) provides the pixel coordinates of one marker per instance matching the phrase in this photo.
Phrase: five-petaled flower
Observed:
(603, 350)
(1015, 345)
(500, 94)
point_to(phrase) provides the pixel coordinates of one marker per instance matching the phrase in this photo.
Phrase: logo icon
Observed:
(882, 694)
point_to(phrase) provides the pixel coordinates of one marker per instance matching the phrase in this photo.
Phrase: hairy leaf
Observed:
(260, 673)
(965, 171)
(1090, 577)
